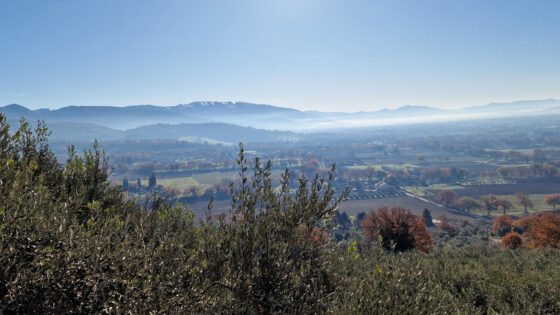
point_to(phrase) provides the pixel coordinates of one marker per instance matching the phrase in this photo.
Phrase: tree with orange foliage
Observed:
(447, 197)
(553, 200)
(512, 240)
(502, 225)
(522, 225)
(544, 231)
(399, 228)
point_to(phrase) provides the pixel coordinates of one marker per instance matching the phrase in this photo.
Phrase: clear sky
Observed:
(307, 54)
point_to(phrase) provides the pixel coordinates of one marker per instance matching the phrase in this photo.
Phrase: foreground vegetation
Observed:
(70, 242)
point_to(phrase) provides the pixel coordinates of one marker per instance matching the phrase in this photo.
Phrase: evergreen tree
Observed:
(152, 181)
(427, 217)
(359, 218)
(341, 219)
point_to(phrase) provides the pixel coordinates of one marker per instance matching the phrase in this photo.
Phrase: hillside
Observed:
(72, 243)
(220, 132)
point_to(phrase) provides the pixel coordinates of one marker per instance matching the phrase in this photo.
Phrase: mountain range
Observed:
(235, 121)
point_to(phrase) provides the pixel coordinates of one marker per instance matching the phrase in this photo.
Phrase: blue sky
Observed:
(306, 54)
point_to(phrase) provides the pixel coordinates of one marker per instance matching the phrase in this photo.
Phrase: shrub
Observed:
(512, 240)
(473, 280)
(502, 225)
(445, 226)
(399, 229)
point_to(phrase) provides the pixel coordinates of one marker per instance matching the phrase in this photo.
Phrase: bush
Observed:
(502, 225)
(512, 240)
(474, 280)
(446, 227)
(399, 229)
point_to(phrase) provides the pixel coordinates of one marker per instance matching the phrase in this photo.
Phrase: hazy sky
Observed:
(320, 55)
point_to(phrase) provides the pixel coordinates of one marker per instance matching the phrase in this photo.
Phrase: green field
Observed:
(353, 207)
(422, 191)
(488, 181)
(181, 183)
(203, 180)
(213, 178)
(379, 167)
(372, 195)
(538, 201)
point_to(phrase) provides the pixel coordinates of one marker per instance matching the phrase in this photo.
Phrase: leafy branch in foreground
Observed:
(266, 256)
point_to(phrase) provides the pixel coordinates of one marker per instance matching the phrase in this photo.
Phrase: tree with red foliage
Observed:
(502, 225)
(512, 240)
(399, 228)
(544, 231)
(447, 197)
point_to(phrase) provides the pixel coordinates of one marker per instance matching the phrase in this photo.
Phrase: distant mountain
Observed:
(518, 105)
(139, 115)
(258, 116)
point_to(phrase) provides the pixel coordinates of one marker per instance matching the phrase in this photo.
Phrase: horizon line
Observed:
(291, 108)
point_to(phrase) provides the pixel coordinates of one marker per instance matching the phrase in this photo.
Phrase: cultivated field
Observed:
(219, 206)
(538, 201)
(530, 186)
(353, 207)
